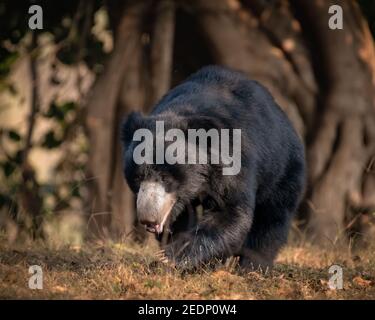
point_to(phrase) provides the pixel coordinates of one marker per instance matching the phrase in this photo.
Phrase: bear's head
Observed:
(162, 189)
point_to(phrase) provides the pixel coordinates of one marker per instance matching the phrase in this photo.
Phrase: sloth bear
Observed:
(246, 212)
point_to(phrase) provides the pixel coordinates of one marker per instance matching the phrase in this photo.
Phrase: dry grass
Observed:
(114, 271)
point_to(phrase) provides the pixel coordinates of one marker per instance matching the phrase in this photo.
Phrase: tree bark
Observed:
(338, 153)
(236, 42)
(162, 50)
(101, 117)
(131, 98)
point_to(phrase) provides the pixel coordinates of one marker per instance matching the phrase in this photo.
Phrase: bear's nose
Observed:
(147, 222)
(150, 201)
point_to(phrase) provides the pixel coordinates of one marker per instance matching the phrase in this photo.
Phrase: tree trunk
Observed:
(162, 50)
(131, 98)
(338, 152)
(102, 115)
(236, 41)
(123, 88)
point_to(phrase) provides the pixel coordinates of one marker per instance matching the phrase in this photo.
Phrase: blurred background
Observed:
(64, 90)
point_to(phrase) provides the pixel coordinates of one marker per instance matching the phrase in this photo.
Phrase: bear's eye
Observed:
(168, 182)
(165, 179)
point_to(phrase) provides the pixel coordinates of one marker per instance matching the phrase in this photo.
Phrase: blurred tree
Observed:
(67, 27)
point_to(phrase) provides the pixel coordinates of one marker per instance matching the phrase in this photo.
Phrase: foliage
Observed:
(69, 24)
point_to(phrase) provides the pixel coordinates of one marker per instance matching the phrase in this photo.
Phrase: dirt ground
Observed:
(116, 271)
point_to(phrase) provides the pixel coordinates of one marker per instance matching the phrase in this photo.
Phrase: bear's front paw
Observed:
(180, 253)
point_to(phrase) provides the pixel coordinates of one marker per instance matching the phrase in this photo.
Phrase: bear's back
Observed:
(215, 87)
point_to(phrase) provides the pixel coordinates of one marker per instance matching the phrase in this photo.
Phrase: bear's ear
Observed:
(129, 125)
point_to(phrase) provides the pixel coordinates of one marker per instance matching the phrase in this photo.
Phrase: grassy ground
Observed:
(114, 271)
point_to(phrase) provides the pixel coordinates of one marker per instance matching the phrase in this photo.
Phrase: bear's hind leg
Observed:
(267, 236)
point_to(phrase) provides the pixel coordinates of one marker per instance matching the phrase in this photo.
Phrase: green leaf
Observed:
(7, 60)
(8, 168)
(59, 111)
(18, 158)
(50, 140)
(68, 106)
(55, 112)
(13, 135)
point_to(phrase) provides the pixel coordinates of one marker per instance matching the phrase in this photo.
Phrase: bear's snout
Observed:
(154, 205)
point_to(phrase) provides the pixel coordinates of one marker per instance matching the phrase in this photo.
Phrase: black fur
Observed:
(247, 214)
